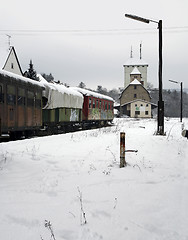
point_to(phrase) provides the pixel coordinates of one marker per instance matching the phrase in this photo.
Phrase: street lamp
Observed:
(181, 98)
(160, 117)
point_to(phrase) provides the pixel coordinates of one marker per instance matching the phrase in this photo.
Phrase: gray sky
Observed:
(90, 41)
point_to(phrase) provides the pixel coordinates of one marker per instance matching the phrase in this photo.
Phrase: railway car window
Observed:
(21, 96)
(30, 98)
(100, 104)
(1, 94)
(109, 107)
(97, 103)
(11, 95)
(93, 103)
(38, 99)
(89, 102)
(105, 105)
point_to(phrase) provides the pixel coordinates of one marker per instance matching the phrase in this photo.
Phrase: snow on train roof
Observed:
(91, 93)
(21, 78)
(60, 96)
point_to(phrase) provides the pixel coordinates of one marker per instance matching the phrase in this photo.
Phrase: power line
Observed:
(91, 31)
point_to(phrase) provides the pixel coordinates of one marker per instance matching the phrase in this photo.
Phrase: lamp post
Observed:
(181, 98)
(160, 117)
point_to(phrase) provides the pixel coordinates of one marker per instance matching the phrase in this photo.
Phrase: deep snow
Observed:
(42, 179)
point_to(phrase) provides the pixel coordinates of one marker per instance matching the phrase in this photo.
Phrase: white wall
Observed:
(12, 64)
(129, 69)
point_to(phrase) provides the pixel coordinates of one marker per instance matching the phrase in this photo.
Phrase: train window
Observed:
(21, 96)
(30, 98)
(105, 105)
(109, 107)
(100, 104)
(1, 94)
(11, 95)
(97, 103)
(89, 102)
(93, 102)
(38, 99)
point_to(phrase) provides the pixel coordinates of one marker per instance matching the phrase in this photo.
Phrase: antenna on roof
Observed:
(131, 56)
(141, 50)
(9, 37)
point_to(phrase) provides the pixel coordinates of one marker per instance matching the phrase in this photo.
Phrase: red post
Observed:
(122, 150)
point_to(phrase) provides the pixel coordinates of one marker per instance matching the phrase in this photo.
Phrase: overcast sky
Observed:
(90, 40)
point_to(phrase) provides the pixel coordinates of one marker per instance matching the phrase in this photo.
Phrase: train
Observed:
(29, 107)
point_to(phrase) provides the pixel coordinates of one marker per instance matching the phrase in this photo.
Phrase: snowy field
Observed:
(74, 182)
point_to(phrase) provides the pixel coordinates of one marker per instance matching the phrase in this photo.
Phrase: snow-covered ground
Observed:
(59, 178)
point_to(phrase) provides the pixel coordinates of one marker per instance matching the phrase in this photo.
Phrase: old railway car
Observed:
(97, 108)
(20, 105)
(62, 107)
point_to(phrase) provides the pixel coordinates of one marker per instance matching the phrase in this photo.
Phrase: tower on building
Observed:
(135, 68)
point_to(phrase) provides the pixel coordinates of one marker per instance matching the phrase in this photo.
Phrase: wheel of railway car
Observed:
(29, 133)
(15, 135)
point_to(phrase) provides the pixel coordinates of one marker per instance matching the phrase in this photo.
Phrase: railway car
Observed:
(97, 108)
(20, 105)
(62, 107)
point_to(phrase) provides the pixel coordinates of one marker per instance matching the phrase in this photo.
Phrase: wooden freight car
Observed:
(20, 105)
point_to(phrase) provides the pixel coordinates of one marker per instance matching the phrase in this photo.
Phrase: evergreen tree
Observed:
(81, 85)
(49, 77)
(31, 73)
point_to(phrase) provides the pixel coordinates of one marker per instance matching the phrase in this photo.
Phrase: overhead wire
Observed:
(22, 32)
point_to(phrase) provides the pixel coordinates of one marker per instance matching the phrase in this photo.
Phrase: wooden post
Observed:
(122, 150)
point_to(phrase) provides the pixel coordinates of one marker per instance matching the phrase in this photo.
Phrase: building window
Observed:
(135, 95)
(146, 105)
(135, 86)
(146, 112)
(137, 112)
(135, 105)
(141, 105)
(12, 66)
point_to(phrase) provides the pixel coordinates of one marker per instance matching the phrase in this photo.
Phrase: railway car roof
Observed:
(86, 92)
(21, 78)
(60, 96)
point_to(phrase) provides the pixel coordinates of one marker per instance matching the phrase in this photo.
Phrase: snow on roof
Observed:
(135, 62)
(135, 71)
(60, 96)
(21, 78)
(91, 93)
(135, 82)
